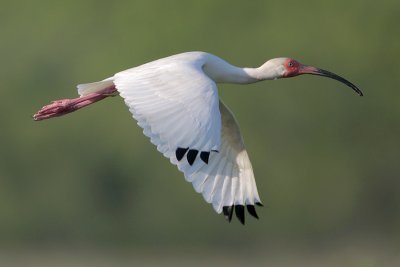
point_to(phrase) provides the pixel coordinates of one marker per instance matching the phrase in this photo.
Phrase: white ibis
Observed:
(175, 100)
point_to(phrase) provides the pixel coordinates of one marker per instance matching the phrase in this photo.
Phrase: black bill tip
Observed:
(336, 77)
(320, 72)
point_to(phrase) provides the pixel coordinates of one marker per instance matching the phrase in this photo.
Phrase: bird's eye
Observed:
(291, 64)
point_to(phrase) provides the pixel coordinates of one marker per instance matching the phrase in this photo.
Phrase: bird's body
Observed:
(175, 100)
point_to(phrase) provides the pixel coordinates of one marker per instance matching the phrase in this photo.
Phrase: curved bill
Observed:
(325, 73)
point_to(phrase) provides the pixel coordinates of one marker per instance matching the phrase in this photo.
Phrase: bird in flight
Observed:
(175, 100)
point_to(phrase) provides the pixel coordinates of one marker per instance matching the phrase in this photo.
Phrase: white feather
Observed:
(87, 88)
(177, 105)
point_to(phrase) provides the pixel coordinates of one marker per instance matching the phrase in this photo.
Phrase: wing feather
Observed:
(177, 106)
(192, 107)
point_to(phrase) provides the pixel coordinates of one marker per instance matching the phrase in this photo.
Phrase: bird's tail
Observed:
(88, 88)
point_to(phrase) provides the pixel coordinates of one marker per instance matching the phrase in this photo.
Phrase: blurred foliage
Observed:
(326, 160)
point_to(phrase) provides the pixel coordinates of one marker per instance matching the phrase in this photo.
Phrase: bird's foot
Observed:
(55, 109)
(64, 106)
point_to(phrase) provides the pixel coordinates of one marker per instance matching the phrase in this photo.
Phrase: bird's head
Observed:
(287, 67)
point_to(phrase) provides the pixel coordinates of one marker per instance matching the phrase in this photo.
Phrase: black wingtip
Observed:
(239, 210)
(191, 156)
(252, 211)
(204, 156)
(228, 211)
(180, 153)
(259, 204)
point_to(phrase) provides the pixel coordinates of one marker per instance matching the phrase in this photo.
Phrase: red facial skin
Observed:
(293, 68)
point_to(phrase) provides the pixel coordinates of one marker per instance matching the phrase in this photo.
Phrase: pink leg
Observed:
(64, 106)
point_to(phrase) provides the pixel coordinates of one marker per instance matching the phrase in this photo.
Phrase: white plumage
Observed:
(175, 100)
(177, 105)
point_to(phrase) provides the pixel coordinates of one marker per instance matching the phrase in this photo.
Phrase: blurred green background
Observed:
(89, 189)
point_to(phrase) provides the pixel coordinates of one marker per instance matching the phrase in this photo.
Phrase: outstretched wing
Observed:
(177, 106)
(228, 180)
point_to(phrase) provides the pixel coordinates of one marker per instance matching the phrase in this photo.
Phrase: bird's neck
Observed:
(222, 72)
